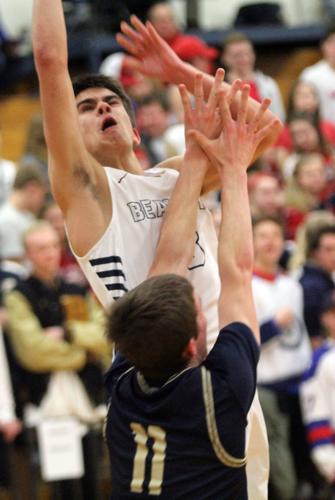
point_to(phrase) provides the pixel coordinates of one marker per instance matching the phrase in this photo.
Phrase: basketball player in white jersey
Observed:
(113, 213)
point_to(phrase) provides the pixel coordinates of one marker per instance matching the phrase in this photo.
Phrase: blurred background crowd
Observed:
(53, 351)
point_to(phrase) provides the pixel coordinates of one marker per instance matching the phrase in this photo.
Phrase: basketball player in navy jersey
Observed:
(176, 423)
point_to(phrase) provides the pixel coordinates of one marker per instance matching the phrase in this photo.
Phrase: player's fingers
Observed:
(137, 23)
(154, 36)
(224, 108)
(127, 44)
(198, 91)
(203, 142)
(130, 32)
(269, 127)
(213, 96)
(255, 121)
(142, 30)
(243, 104)
(235, 87)
(186, 103)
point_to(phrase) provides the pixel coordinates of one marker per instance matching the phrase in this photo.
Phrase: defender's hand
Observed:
(238, 141)
(151, 55)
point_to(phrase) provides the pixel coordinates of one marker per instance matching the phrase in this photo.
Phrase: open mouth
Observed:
(108, 123)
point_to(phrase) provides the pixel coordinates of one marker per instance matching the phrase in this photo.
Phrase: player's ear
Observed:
(190, 349)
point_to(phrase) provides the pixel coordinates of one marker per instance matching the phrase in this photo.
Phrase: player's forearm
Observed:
(235, 243)
(49, 34)
(176, 242)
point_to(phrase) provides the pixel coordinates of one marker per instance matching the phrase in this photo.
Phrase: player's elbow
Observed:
(47, 58)
(238, 270)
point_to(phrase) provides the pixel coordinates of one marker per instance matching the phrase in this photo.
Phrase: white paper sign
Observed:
(60, 448)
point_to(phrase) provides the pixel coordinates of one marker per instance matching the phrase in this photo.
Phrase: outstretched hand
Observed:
(150, 54)
(235, 147)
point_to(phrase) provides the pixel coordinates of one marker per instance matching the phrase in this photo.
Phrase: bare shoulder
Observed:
(86, 203)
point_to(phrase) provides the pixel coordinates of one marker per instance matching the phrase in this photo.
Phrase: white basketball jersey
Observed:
(121, 260)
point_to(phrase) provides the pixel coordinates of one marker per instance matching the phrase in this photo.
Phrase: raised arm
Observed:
(177, 237)
(153, 56)
(231, 154)
(75, 176)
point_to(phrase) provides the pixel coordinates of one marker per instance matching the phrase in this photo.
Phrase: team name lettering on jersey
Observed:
(147, 209)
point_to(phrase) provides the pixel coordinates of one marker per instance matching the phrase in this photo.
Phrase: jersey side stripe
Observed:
(219, 450)
(112, 273)
(112, 259)
(118, 279)
(116, 286)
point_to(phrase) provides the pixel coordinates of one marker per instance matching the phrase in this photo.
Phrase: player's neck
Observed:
(127, 162)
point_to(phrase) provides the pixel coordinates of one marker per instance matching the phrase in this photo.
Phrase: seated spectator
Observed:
(162, 17)
(7, 176)
(13, 65)
(306, 138)
(305, 191)
(238, 57)
(195, 51)
(311, 225)
(20, 211)
(316, 278)
(56, 331)
(153, 121)
(303, 98)
(35, 150)
(10, 426)
(318, 398)
(322, 76)
(265, 194)
(69, 267)
(285, 352)
(135, 83)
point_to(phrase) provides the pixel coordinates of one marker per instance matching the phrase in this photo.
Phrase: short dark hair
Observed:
(152, 324)
(259, 219)
(27, 174)
(314, 239)
(91, 81)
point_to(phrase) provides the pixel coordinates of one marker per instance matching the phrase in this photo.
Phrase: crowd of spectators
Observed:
(51, 323)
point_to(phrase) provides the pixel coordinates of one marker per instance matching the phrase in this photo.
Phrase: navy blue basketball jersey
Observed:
(185, 439)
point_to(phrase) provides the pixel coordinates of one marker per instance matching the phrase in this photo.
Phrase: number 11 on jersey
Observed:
(141, 436)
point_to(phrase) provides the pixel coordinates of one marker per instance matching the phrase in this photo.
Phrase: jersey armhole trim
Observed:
(220, 452)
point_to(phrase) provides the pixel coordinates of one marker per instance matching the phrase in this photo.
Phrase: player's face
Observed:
(105, 125)
(201, 342)
(268, 243)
